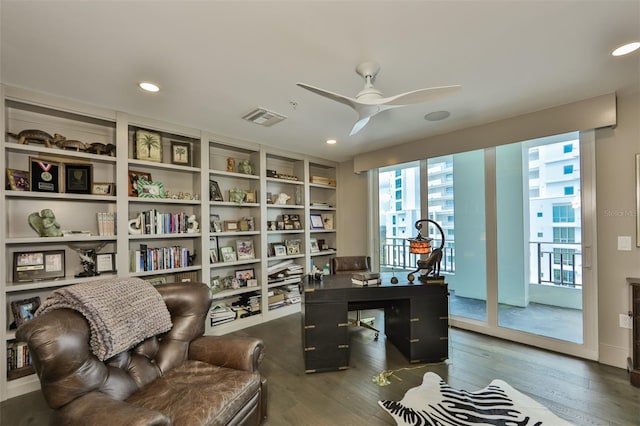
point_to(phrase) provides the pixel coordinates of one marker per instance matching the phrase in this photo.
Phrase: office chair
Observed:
(350, 265)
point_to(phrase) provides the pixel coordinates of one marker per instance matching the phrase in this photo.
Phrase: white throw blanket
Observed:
(121, 312)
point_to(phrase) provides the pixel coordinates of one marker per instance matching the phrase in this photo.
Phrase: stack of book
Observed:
(248, 304)
(221, 314)
(366, 278)
(276, 299)
(285, 272)
(292, 294)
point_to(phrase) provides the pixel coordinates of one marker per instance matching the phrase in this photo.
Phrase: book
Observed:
(366, 283)
(363, 276)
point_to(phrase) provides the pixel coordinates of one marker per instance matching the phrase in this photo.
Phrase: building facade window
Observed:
(568, 190)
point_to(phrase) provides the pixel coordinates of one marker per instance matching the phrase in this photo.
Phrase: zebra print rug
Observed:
(435, 403)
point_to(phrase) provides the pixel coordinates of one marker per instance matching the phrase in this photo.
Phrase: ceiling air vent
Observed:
(264, 117)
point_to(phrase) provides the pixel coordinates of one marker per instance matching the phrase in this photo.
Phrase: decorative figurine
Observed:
(44, 223)
(231, 165)
(282, 199)
(87, 253)
(237, 195)
(135, 225)
(192, 225)
(245, 167)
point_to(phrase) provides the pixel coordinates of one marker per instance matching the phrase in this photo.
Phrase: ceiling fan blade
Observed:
(359, 125)
(333, 96)
(420, 95)
(364, 115)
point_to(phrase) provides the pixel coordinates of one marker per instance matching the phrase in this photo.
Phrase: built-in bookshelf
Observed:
(258, 209)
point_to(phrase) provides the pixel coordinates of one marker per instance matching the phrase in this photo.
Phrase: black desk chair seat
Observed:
(350, 265)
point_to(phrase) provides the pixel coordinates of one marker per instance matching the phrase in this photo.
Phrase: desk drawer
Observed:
(326, 358)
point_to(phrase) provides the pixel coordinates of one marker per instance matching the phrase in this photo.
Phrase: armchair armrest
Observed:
(95, 408)
(240, 353)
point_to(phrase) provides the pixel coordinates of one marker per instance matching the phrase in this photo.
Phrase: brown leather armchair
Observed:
(177, 378)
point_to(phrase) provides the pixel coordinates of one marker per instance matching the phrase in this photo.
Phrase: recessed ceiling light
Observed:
(437, 115)
(625, 49)
(332, 141)
(149, 87)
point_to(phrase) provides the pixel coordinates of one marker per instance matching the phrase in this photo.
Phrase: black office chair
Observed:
(350, 265)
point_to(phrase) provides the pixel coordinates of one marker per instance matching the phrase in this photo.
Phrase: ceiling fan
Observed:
(370, 102)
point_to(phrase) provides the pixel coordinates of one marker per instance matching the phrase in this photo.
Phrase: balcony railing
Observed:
(550, 263)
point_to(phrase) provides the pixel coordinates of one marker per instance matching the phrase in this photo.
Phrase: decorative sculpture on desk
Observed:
(45, 224)
(430, 266)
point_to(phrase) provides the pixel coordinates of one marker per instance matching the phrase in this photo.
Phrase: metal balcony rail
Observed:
(550, 263)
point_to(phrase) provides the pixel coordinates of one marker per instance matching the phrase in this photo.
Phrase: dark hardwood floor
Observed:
(582, 392)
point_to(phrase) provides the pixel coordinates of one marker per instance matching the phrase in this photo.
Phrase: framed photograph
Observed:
(148, 146)
(231, 225)
(105, 262)
(313, 245)
(327, 220)
(214, 222)
(77, 178)
(244, 275)
(637, 200)
(148, 189)
(38, 265)
(245, 250)
(215, 283)
(293, 247)
(103, 188)
(250, 196)
(279, 250)
(228, 254)
(18, 180)
(23, 310)
(134, 177)
(316, 221)
(213, 255)
(45, 175)
(214, 191)
(181, 153)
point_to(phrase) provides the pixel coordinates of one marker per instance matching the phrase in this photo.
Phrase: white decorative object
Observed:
(282, 199)
(192, 225)
(135, 225)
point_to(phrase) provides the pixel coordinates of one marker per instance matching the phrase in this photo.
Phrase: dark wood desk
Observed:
(416, 319)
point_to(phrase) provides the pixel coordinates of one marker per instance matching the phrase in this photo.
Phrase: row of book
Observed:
(18, 356)
(285, 272)
(106, 223)
(153, 222)
(157, 259)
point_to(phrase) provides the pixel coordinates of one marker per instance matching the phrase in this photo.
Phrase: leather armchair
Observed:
(177, 378)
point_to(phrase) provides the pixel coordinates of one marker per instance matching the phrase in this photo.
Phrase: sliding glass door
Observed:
(516, 236)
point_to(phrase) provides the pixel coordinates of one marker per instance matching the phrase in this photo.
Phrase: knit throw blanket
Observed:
(121, 312)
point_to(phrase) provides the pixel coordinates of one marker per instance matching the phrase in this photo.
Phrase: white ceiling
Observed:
(217, 60)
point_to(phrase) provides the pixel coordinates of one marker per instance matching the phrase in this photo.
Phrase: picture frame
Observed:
(316, 221)
(134, 177)
(244, 275)
(327, 221)
(215, 284)
(105, 262)
(245, 249)
(148, 146)
(147, 189)
(18, 180)
(77, 178)
(213, 255)
(24, 310)
(103, 188)
(313, 245)
(32, 266)
(293, 247)
(214, 222)
(231, 226)
(279, 250)
(214, 191)
(251, 196)
(44, 175)
(637, 200)
(228, 254)
(180, 153)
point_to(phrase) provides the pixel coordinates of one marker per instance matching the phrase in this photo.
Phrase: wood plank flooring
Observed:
(582, 392)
